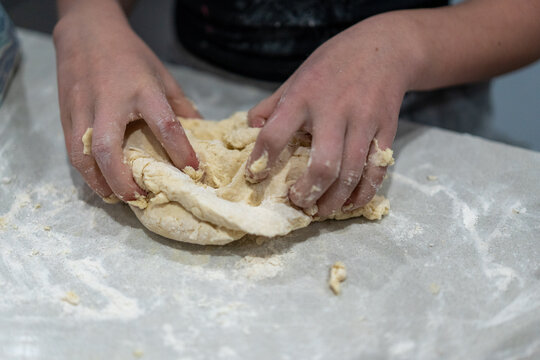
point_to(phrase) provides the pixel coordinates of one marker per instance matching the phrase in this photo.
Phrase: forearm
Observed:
(471, 41)
(87, 18)
(64, 6)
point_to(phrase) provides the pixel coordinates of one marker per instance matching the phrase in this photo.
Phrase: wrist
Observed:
(405, 36)
(106, 14)
(395, 41)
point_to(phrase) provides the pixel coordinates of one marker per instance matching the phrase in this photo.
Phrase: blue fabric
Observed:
(9, 51)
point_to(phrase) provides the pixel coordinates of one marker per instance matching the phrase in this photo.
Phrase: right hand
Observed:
(108, 77)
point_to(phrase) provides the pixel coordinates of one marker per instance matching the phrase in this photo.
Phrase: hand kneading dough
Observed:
(215, 204)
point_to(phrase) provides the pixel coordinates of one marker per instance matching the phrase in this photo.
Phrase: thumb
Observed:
(259, 114)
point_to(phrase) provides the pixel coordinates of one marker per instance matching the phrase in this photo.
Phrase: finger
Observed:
(65, 118)
(273, 138)
(180, 104)
(109, 129)
(85, 163)
(373, 175)
(259, 114)
(161, 119)
(324, 163)
(355, 152)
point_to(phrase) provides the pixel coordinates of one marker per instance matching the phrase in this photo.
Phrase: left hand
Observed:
(346, 94)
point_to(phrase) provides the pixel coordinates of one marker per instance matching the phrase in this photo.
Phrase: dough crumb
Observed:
(434, 288)
(338, 274)
(3, 223)
(37, 206)
(87, 141)
(260, 164)
(138, 353)
(380, 157)
(47, 228)
(111, 199)
(432, 178)
(140, 201)
(196, 175)
(517, 211)
(71, 298)
(312, 210)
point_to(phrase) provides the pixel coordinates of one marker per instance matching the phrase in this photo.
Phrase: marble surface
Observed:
(453, 272)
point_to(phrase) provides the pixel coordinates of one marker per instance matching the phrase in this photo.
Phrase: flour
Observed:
(259, 268)
(117, 305)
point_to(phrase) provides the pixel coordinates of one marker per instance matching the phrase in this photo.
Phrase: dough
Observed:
(381, 157)
(338, 274)
(87, 141)
(71, 298)
(215, 204)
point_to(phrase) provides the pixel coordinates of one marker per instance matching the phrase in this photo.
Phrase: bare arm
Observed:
(64, 5)
(474, 40)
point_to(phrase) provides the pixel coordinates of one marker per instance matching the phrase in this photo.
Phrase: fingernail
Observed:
(257, 122)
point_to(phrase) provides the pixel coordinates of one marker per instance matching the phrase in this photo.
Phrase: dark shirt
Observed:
(269, 39)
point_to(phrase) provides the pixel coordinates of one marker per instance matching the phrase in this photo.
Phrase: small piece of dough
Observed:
(140, 201)
(71, 298)
(111, 199)
(338, 274)
(380, 157)
(87, 141)
(215, 204)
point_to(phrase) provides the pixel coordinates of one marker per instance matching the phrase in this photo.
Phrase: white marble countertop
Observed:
(453, 272)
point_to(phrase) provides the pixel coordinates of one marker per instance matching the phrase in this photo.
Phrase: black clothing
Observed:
(269, 39)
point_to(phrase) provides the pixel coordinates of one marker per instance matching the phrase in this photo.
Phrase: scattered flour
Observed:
(258, 268)
(115, 305)
(469, 217)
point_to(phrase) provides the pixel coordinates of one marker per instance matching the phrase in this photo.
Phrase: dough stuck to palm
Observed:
(215, 205)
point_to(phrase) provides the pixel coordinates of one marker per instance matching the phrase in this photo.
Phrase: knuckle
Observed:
(148, 87)
(101, 147)
(324, 170)
(350, 177)
(170, 129)
(79, 95)
(77, 160)
(270, 140)
(169, 125)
